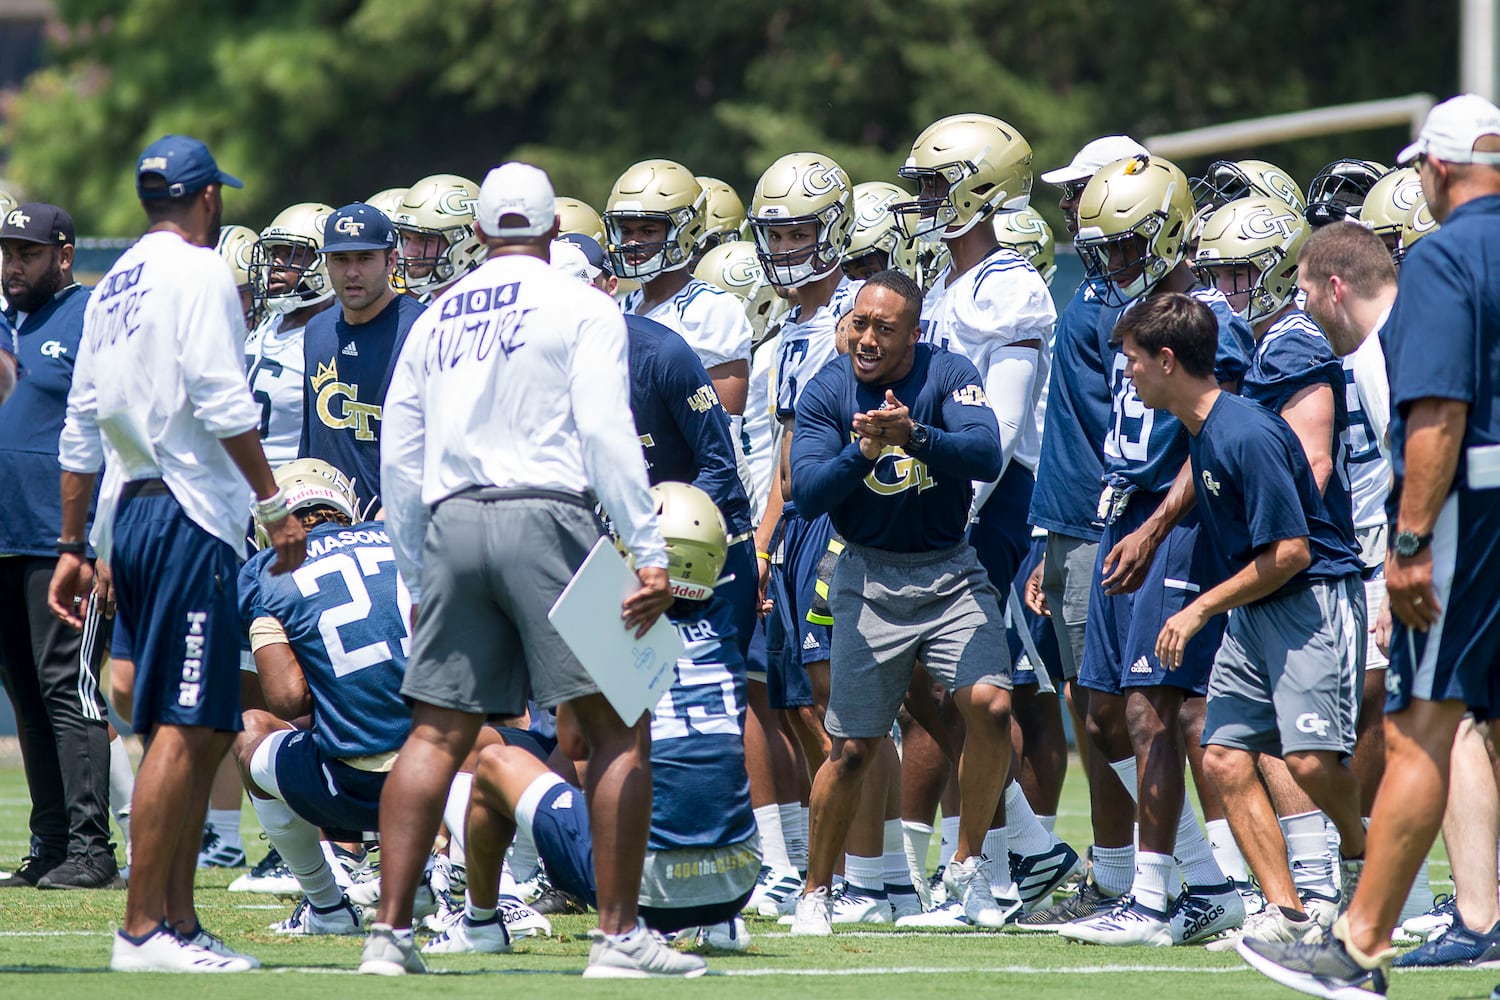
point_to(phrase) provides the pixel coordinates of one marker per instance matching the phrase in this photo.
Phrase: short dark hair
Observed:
(165, 209)
(1177, 321)
(902, 284)
(1357, 255)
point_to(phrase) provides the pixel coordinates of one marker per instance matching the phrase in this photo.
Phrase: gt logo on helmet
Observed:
(456, 203)
(1265, 224)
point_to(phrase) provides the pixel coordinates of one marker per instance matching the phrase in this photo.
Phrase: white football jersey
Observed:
(1369, 402)
(711, 320)
(274, 367)
(990, 307)
(807, 345)
(761, 431)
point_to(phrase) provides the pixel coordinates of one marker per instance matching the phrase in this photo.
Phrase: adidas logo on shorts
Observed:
(1141, 666)
(809, 642)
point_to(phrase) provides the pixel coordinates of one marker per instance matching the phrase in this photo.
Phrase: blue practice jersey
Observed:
(1255, 487)
(1443, 338)
(345, 611)
(1293, 355)
(1144, 448)
(1066, 498)
(683, 427)
(46, 349)
(899, 502)
(348, 370)
(700, 791)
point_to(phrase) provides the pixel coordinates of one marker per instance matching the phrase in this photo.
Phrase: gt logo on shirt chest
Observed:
(896, 472)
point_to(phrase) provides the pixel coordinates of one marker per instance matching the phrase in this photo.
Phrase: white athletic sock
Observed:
(1419, 900)
(522, 854)
(507, 879)
(226, 823)
(1114, 869)
(1154, 874)
(794, 833)
(1126, 770)
(772, 840)
(864, 874)
(477, 914)
(916, 838)
(1194, 857)
(1226, 851)
(997, 849)
(1027, 836)
(894, 872)
(297, 841)
(949, 843)
(1049, 823)
(1307, 849)
(456, 815)
(121, 787)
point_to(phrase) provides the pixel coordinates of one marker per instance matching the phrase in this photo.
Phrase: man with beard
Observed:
(54, 690)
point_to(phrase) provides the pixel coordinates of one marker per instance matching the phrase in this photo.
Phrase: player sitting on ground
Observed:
(700, 813)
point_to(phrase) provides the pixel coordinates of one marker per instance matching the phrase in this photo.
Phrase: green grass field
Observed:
(52, 945)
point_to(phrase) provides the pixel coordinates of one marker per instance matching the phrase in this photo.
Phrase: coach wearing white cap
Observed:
(1442, 349)
(508, 413)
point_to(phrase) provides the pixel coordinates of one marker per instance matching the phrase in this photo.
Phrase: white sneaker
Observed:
(386, 954)
(814, 916)
(947, 915)
(521, 921)
(778, 894)
(968, 881)
(1434, 922)
(853, 906)
(1126, 923)
(731, 935)
(211, 942)
(1037, 876)
(270, 876)
(1323, 910)
(644, 956)
(366, 896)
(448, 877)
(342, 919)
(905, 904)
(1202, 912)
(1270, 924)
(164, 951)
(467, 938)
(1250, 896)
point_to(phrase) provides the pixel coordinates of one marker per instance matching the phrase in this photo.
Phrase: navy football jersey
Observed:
(700, 790)
(348, 369)
(1144, 449)
(1255, 487)
(1066, 497)
(345, 611)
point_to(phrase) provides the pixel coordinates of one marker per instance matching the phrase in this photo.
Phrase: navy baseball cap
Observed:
(184, 163)
(358, 227)
(597, 258)
(38, 222)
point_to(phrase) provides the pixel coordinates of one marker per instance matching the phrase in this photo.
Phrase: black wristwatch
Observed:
(1408, 543)
(920, 435)
(71, 548)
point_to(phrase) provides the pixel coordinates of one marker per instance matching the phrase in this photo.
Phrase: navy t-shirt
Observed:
(1078, 416)
(1254, 487)
(1443, 338)
(348, 370)
(898, 502)
(1144, 449)
(684, 429)
(46, 349)
(1293, 355)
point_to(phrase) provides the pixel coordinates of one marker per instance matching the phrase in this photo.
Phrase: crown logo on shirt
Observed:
(326, 373)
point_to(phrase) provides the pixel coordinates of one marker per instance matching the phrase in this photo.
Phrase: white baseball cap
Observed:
(516, 189)
(570, 260)
(1452, 128)
(1093, 157)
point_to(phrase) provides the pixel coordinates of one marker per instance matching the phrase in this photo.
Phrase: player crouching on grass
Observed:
(703, 854)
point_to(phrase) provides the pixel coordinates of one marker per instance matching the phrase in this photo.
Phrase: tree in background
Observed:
(332, 100)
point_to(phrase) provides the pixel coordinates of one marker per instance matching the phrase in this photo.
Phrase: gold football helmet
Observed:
(1248, 249)
(654, 191)
(1026, 231)
(801, 189)
(735, 267)
(1388, 205)
(309, 483)
(696, 536)
(574, 216)
(388, 201)
(1231, 180)
(1418, 224)
(723, 214)
(876, 242)
(435, 223)
(1133, 221)
(967, 167)
(285, 266)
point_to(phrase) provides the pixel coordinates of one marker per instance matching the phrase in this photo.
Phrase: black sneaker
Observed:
(86, 872)
(554, 901)
(30, 873)
(1085, 903)
(1323, 969)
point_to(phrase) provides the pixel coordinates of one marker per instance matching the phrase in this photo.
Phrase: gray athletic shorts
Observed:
(1067, 581)
(493, 563)
(1289, 673)
(891, 608)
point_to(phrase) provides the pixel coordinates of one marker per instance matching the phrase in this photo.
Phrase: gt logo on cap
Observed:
(348, 226)
(18, 218)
